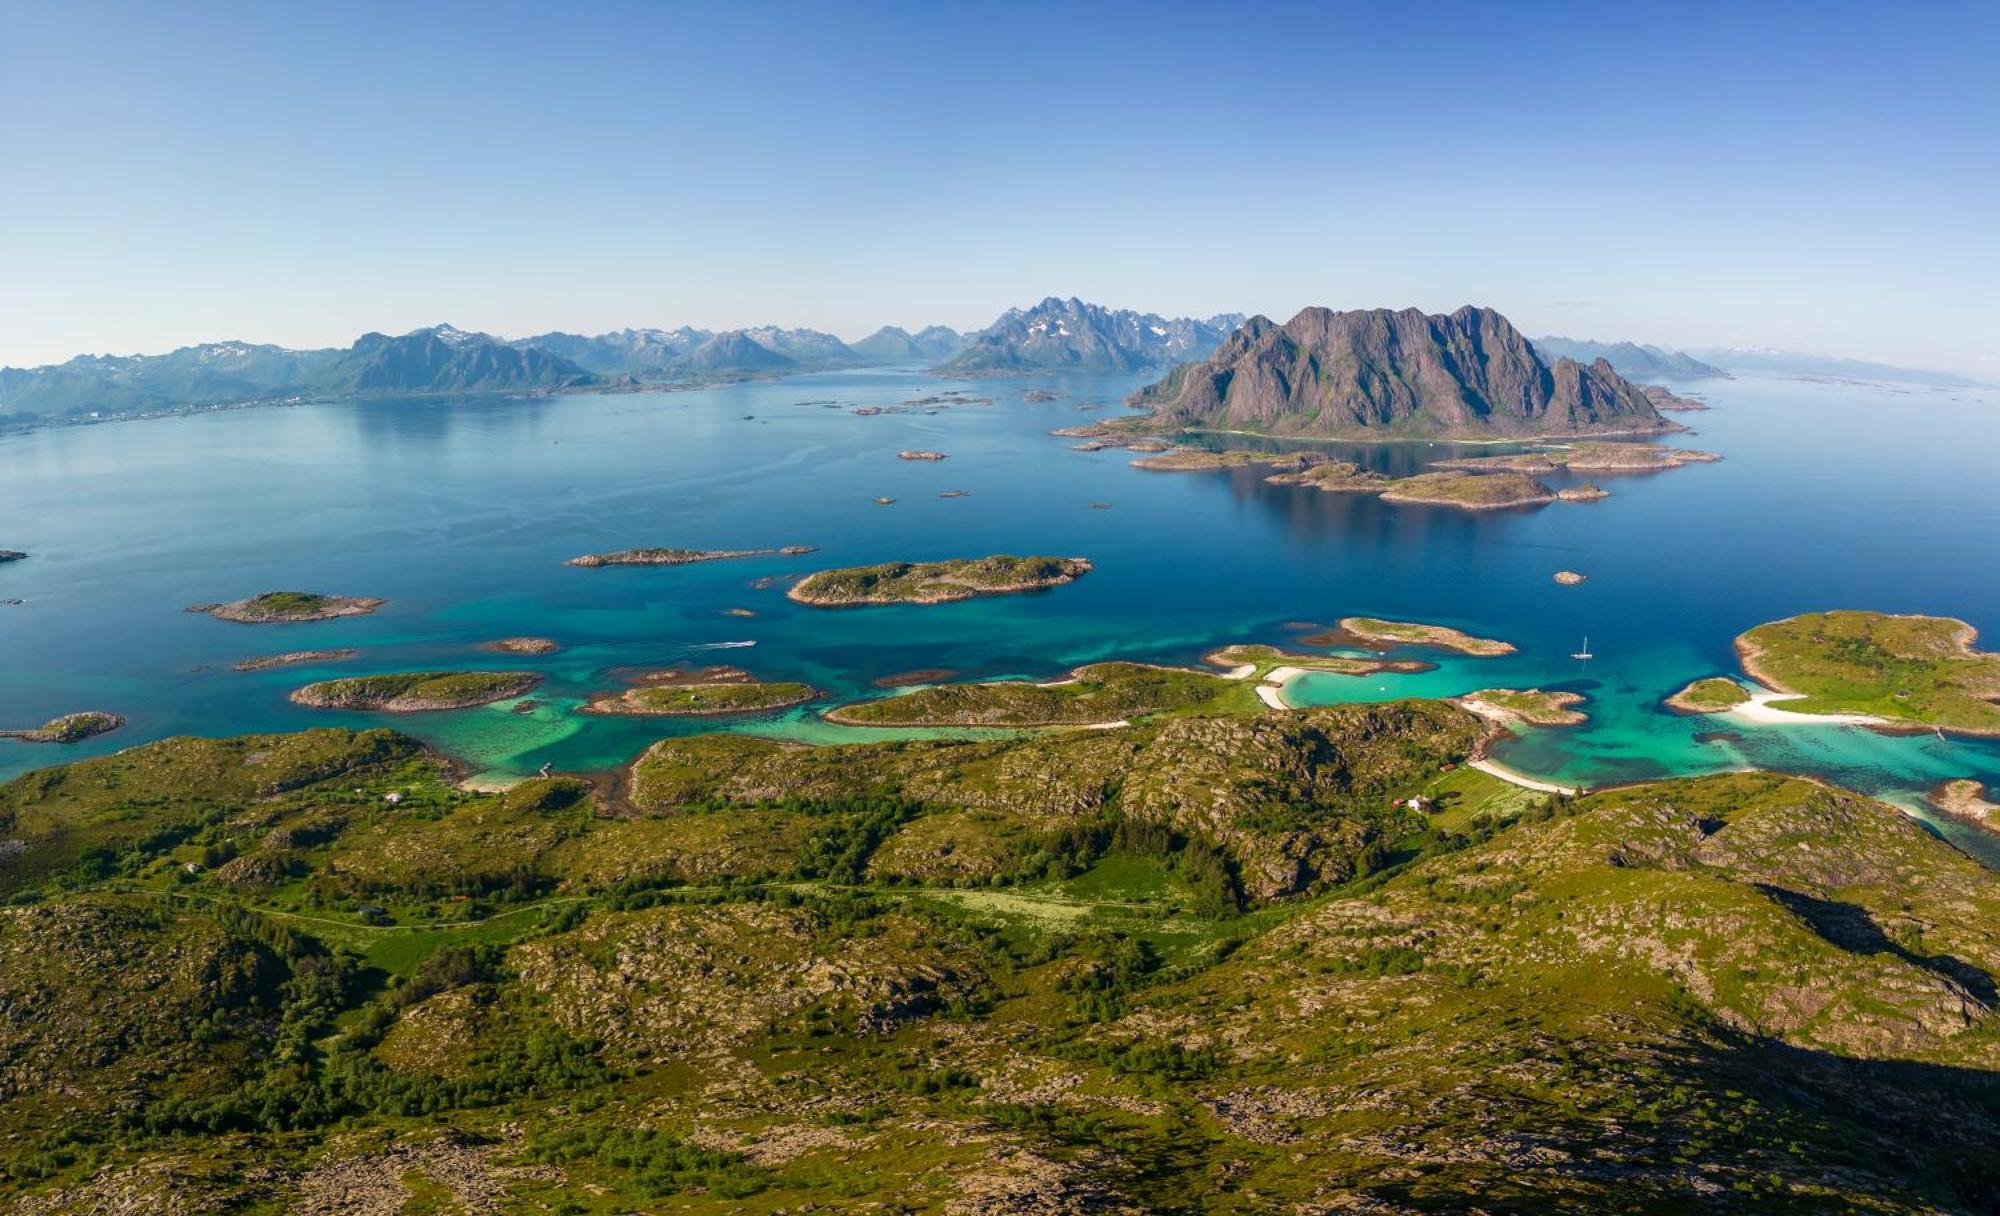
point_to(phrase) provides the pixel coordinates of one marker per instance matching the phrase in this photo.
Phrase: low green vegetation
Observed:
(415, 691)
(1279, 963)
(1413, 633)
(1470, 491)
(1534, 706)
(1098, 693)
(936, 582)
(705, 699)
(1916, 669)
(277, 607)
(1710, 695)
(1334, 477)
(69, 728)
(1266, 659)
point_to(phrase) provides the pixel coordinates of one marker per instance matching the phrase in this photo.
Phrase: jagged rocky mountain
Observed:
(1377, 372)
(1632, 360)
(444, 359)
(1070, 335)
(894, 344)
(624, 352)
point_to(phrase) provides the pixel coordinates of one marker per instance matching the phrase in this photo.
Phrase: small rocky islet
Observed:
(286, 607)
(522, 645)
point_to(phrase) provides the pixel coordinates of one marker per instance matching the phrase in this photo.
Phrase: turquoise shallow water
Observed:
(462, 513)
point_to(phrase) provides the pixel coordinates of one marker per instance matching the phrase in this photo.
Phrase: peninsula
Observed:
(70, 728)
(285, 607)
(939, 582)
(677, 557)
(1914, 671)
(1411, 633)
(417, 691)
(11, 555)
(1967, 800)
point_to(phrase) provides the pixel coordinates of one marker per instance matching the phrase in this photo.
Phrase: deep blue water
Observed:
(462, 513)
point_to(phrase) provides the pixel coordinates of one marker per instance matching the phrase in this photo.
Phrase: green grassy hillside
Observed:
(1196, 965)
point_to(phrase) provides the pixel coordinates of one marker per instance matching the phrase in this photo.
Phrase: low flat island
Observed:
(939, 582)
(417, 691)
(1916, 671)
(293, 658)
(1411, 633)
(284, 607)
(1532, 706)
(1469, 491)
(674, 699)
(677, 557)
(11, 555)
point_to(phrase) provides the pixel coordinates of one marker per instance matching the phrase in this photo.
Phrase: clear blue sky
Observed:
(1822, 177)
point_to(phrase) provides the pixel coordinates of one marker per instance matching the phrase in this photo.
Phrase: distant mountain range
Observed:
(1795, 363)
(1376, 372)
(439, 359)
(1632, 360)
(894, 344)
(1056, 335)
(1070, 335)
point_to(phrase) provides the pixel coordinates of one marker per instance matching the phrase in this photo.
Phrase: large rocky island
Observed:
(1381, 374)
(939, 582)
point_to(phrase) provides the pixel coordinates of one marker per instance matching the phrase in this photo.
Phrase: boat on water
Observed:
(1585, 652)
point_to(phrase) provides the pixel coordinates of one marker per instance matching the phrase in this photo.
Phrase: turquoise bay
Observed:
(462, 513)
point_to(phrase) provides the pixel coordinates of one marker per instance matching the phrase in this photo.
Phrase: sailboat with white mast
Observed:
(1585, 652)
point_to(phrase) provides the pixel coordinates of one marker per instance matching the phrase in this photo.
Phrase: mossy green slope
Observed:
(1747, 993)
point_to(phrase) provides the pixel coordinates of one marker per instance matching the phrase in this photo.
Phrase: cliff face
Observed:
(1468, 374)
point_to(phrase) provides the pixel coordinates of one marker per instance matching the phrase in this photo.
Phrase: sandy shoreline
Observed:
(1760, 709)
(1271, 691)
(1494, 768)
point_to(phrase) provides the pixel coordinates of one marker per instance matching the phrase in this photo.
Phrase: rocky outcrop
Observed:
(1370, 373)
